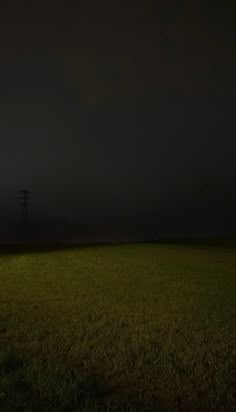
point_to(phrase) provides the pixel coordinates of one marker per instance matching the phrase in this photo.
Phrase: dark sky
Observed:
(119, 116)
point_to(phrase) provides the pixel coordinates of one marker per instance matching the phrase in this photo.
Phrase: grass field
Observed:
(118, 328)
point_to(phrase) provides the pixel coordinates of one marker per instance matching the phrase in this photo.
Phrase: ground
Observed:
(139, 327)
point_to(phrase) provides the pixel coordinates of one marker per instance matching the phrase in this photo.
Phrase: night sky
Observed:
(120, 117)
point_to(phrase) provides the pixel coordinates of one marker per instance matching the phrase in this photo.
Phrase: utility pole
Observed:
(25, 197)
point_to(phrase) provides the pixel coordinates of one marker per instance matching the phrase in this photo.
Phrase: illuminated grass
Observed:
(118, 328)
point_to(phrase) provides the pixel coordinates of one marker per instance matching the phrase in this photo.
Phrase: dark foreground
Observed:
(118, 328)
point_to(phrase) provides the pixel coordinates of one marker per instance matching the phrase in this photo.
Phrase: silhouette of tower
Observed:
(25, 197)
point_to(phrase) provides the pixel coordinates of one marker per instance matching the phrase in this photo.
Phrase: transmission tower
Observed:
(25, 197)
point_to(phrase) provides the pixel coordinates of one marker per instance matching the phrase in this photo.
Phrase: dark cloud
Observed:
(118, 115)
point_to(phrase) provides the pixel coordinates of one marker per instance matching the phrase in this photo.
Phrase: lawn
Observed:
(138, 327)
